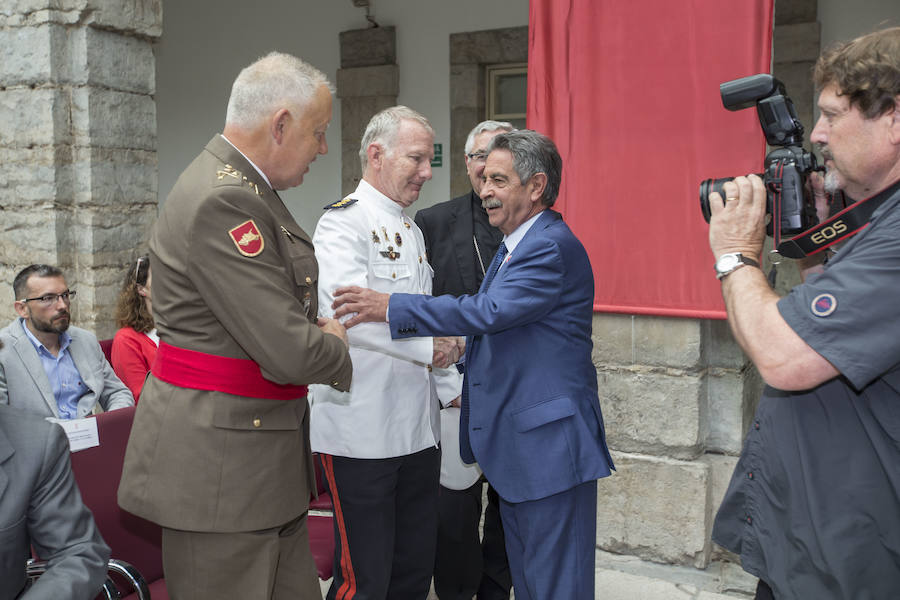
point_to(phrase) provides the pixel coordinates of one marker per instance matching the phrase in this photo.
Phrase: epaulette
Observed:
(228, 175)
(342, 203)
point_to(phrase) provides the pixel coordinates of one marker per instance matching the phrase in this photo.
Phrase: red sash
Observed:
(200, 371)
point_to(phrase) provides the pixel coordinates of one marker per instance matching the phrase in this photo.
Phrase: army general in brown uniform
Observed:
(219, 453)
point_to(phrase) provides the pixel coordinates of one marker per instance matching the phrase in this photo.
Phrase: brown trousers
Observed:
(272, 564)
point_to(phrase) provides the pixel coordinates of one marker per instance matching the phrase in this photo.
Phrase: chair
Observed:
(35, 568)
(320, 522)
(133, 540)
(106, 346)
(137, 541)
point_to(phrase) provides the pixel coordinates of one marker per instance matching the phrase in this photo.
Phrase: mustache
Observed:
(491, 203)
(824, 151)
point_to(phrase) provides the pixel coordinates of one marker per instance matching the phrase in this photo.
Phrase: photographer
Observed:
(813, 507)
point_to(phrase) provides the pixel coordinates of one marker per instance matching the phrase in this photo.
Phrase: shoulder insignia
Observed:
(247, 238)
(342, 203)
(238, 177)
(228, 171)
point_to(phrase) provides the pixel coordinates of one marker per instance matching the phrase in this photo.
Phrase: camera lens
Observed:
(708, 186)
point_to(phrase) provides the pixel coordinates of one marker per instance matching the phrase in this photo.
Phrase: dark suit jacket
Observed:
(534, 423)
(448, 232)
(40, 506)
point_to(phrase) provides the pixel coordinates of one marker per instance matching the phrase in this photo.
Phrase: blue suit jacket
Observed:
(534, 423)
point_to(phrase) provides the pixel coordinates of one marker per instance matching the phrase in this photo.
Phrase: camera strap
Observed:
(832, 230)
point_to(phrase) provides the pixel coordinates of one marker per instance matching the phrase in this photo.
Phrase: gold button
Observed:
(394, 275)
(308, 280)
(420, 259)
(257, 422)
(306, 295)
(429, 368)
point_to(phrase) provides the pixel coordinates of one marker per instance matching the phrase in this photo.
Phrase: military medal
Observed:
(375, 238)
(390, 253)
(398, 239)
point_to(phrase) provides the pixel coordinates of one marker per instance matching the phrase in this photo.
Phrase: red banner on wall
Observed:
(629, 91)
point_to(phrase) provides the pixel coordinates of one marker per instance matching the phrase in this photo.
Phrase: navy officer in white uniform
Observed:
(379, 441)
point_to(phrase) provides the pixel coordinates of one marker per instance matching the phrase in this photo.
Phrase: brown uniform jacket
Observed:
(206, 460)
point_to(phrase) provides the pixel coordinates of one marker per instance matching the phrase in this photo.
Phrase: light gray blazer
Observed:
(40, 505)
(24, 383)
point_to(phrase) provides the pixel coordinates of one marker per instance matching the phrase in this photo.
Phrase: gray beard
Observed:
(832, 182)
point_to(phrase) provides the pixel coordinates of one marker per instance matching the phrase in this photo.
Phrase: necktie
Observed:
(495, 266)
(464, 445)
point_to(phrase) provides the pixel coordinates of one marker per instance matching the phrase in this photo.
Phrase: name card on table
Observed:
(82, 433)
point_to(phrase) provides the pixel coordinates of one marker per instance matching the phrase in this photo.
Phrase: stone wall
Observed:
(367, 82)
(77, 145)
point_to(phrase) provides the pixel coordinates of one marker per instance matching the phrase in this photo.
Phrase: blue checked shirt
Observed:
(68, 388)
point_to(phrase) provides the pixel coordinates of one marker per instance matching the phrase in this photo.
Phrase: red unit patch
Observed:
(247, 238)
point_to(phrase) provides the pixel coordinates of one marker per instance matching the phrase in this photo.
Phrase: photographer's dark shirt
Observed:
(813, 507)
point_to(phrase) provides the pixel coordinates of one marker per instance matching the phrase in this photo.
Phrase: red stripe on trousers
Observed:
(348, 588)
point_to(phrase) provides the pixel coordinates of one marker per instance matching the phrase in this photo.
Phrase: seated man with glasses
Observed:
(47, 367)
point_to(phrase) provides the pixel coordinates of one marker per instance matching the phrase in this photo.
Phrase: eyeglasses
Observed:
(478, 156)
(50, 299)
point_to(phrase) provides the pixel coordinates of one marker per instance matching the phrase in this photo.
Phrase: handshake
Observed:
(447, 351)
(366, 305)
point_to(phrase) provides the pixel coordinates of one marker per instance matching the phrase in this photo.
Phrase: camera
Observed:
(787, 165)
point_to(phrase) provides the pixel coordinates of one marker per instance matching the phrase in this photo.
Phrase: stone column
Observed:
(78, 168)
(470, 53)
(367, 82)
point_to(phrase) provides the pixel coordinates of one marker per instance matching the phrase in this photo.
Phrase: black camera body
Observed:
(786, 167)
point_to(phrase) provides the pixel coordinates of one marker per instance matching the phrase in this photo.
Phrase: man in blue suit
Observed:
(530, 412)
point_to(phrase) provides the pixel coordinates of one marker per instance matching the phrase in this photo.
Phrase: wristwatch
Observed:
(730, 261)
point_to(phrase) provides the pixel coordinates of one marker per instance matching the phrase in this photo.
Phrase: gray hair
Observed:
(272, 82)
(532, 153)
(383, 128)
(20, 283)
(486, 126)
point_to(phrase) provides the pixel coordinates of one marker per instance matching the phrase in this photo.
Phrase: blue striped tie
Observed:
(494, 267)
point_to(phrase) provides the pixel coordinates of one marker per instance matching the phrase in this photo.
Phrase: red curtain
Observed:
(629, 91)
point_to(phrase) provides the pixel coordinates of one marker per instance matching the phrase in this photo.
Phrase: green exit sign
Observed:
(438, 160)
